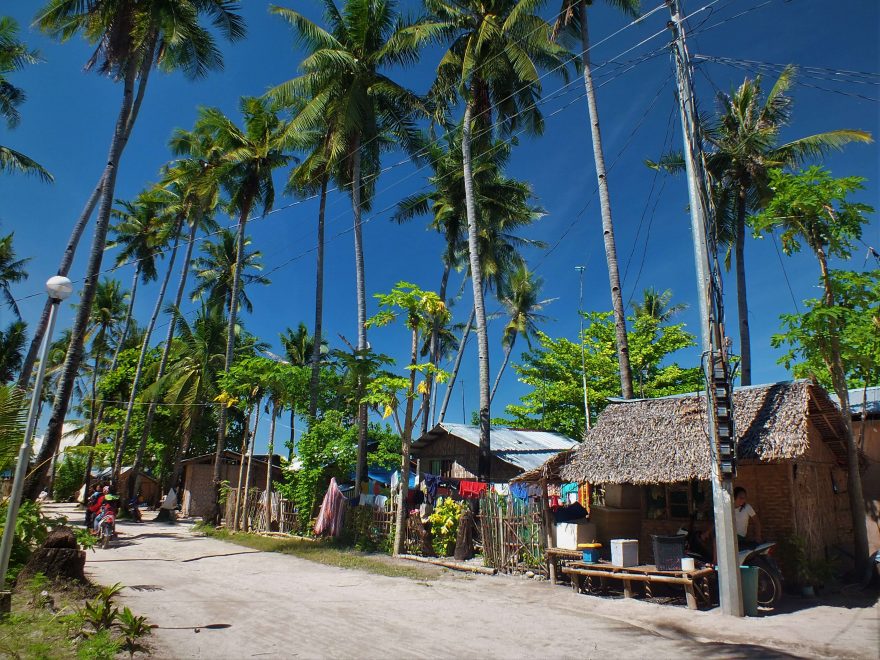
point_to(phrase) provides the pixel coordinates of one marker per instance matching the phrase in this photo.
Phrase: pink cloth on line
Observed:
(332, 513)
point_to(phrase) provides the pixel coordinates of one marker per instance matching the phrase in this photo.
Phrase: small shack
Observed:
(652, 458)
(148, 491)
(451, 451)
(198, 479)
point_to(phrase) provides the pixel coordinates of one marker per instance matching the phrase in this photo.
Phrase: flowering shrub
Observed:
(444, 526)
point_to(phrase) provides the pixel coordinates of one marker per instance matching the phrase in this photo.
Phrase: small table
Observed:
(695, 582)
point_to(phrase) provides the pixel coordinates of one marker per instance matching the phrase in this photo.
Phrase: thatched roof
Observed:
(664, 440)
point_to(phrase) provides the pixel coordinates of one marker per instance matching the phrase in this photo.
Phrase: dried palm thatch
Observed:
(664, 440)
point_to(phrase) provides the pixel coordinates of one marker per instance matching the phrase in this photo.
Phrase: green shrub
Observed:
(69, 476)
(31, 528)
(444, 526)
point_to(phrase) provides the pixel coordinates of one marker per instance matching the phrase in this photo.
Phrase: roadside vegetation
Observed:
(327, 553)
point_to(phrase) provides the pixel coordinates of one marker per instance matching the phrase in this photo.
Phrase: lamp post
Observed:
(580, 270)
(58, 288)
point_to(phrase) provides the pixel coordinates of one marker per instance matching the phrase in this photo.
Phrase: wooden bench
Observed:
(556, 555)
(695, 582)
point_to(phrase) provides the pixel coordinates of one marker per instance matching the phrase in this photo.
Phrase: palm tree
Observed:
(14, 56)
(216, 271)
(107, 311)
(197, 359)
(195, 189)
(519, 296)
(12, 341)
(744, 148)
(130, 38)
(492, 63)
(171, 225)
(137, 233)
(655, 305)
(344, 88)
(573, 19)
(299, 349)
(11, 272)
(250, 156)
(310, 176)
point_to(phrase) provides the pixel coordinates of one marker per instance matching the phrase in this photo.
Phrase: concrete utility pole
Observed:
(719, 394)
(580, 270)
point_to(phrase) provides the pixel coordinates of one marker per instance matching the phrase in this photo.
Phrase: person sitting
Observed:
(744, 516)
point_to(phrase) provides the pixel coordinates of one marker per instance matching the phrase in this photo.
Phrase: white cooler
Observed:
(570, 534)
(624, 552)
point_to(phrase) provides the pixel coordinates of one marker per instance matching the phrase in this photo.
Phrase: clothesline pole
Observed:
(549, 530)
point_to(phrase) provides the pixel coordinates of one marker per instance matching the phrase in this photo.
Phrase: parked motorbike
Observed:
(760, 556)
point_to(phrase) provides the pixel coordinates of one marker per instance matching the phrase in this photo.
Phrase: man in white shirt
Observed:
(743, 513)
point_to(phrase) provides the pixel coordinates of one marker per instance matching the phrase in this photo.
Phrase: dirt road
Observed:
(274, 606)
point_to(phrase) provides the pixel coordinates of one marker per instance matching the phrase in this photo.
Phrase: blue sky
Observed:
(69, 115)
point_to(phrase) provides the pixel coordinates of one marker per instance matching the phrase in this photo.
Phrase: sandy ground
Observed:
(277, 606)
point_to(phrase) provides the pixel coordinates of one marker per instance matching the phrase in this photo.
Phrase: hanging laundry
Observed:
(430, 486)
(472, 489)
(519, 490)
(553, 490)
(584, 496)
(332, 513)
(501, 489)
(534, 491)
(566, 490)
(380, 501)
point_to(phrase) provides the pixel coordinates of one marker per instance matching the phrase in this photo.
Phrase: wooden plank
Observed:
(627, 576)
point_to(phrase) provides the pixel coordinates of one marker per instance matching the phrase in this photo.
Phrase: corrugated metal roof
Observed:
(505, 440)
(526, 460)
(857, 399)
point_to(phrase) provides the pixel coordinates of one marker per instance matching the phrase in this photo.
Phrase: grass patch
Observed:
(326, 553)
(36, 627)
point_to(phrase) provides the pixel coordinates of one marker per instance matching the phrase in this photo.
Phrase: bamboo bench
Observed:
(556, 555)
(695, 582)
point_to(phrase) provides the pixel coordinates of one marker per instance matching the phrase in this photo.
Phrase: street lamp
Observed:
(58, 288)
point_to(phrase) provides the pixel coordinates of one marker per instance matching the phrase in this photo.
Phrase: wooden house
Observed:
(652, 458)
(198, 479)
(451, 451)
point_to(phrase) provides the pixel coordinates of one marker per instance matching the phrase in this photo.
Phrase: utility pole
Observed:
(719, 390)
(580, 270)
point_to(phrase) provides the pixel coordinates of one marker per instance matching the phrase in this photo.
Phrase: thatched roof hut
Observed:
(650, 441)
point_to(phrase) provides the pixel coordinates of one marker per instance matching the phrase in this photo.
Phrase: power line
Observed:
(610, 168)
(784, 272)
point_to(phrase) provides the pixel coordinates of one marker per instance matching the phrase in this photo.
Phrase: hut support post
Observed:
(550, 530)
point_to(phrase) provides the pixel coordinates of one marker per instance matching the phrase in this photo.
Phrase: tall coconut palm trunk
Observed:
(626, 385)
(484, 459)
(93, 269)
(465, 334)
(361, 469)
(79, 228)
(95, 422)
(92, 432)
(428, 397)
(230, 349)
(314, 383)
(169, 335)
(507, 351)
(742, 303)
(134, 477)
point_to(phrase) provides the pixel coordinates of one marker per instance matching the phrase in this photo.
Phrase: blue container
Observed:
(590, 552)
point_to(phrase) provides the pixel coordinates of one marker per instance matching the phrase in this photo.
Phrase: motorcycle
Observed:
(760, 556)
(107, 530)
